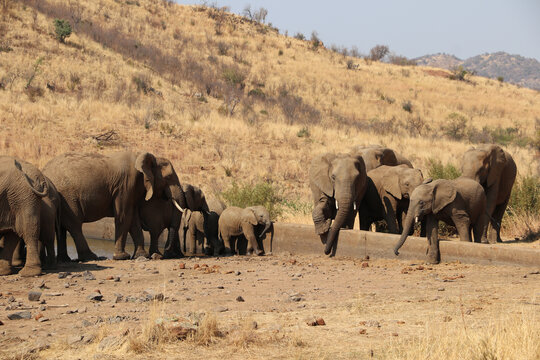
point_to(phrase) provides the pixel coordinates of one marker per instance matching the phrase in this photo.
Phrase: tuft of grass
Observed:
(208, 331)
(261, 193)
(438, 170)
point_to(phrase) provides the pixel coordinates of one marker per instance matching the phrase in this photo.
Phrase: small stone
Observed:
(72, 340)
(320, 321)
(240, 299)
(182, 266)
(221, 287)
(11, 299)
(468, 312)
(66, 285)
(362, 331)
(372, 323)
(296, 298)
(1, 323)
(419, 267)
(87, 275)
(141, 259)
(42, 308)
(43, 319)
(395, 334)
(400, 322)
(110, 277)
(365, 264)
(196, 266)
(34, 295)
(38, 316)
(237, 273)
(156, 256)
(440, 289)
(20, 315)
(118, 298)
(63, 275)
(254, 325)
(95, 296)
(221, 309)
(54, 294)
(82, 310)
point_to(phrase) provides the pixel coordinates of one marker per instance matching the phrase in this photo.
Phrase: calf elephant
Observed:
(378, 155)
(460, 202)
(496, 171)
(94, 186)
(235, 221)
(203, 226)
(28, 211)
(387, 196)
(159, 214)
(338, 183)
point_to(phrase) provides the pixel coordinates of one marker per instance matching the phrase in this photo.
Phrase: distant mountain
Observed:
(514, 69)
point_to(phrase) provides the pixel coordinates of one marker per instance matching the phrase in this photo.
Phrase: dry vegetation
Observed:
(227, 98)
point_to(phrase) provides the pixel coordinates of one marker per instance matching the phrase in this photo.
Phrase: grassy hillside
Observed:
(228, 99)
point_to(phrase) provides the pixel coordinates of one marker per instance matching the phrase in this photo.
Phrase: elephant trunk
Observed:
(345, 207)
(409, 222)
(265, 230)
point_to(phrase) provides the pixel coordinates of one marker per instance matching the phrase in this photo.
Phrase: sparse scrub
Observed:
(461, 74)
(261, 193)
(407, 106)
(299, 36)
(438, 170)
(456, 127)
(378, 52)
(62, 29)
(401, 60)
(303, 132)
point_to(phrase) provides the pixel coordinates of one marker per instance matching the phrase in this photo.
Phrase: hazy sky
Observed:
(412, 28)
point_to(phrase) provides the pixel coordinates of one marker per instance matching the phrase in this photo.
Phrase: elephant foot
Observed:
(28, 271)
(259, 252)
(208, 251)
(87, 256)
(156, 256)
(17, 262)
(170, 254)
(5, 269)
(64, 258)
(121, 256)
(141, 252)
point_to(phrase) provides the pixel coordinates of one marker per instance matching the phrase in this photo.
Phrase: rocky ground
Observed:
(296, 306)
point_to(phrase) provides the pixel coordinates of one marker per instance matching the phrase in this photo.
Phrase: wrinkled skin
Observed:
(203, 226)
(460, 202)
(387, 196)
(94, 186)
(235, 221)
(496, 171)
(25, 195)
(338, 183)
(378, 155)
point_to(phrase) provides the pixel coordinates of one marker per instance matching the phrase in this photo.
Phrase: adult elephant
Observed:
(460, 202)
(94, 186)
(496, 171)
(378, 155)
(252, 222)
(25, 195)
(387, 196)
(203, 225)
(158, 214)
(338, 183)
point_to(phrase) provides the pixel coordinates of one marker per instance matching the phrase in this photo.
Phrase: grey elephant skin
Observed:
(202, 226)
(251, 222)
(94, 186)
(495, 169)
(460, 202)
(159, 214)
(28, 211)
(338, 183)
(378, 155)
(387, 196)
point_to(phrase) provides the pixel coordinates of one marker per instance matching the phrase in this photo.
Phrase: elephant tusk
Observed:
(416, 219)
(354, 206)
(177, 206)
(337, 206)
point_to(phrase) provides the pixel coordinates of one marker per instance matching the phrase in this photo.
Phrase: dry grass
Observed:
(188, 98)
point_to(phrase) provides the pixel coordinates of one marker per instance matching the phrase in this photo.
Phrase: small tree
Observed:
(62, 29)
(378, 52)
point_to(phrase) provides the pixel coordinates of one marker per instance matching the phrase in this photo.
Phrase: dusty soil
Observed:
(365, 304)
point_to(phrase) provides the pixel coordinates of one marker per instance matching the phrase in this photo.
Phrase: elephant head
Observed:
(428, 198)
(259, 216)
(375, 156)
(484, 164)
(196, 201)
(402, 185)
(342, 180)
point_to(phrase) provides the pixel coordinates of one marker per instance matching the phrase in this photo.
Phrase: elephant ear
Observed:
(250, 217)
(444, 192)
(319, 173)
(387, 157)
(145, 163)
(391, 185)
(497, 161)
(194, 198)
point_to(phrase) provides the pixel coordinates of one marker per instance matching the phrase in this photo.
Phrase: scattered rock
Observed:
(82, 310)
(156, 256)
(221, 309)
(1, 323)
(86, 323)
(63, 275)
(221, 287)
(240, 299)
(196, 266)
(400, 322)
(34, 295)
(362, 331)
(237, 273)
(371, 323)
(440, 289)
(254, 325)
(87, 275)
(11, 299)
(395, 334)
(110, 277)
(118, 298)
(43, 319)
(468, 312)
(53, 294)
(365, 264)
(141, 259)
(20, 315)
(95, 296)
(150, 295)
(42, 308)
(182, 266)
(72, 340)
(315, 322)
(38, 316)
(419, 267)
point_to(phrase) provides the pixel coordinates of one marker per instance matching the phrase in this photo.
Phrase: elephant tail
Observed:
(41, 193)
(271, 237)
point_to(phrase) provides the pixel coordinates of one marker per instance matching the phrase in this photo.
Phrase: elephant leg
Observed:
(228, 244)
(72, 224)
(135, 230)
(390, 215)
(120, 233)
(154, 240)
(83, 251)
(432, 232)
(10, 243)
(463, 226)
(249, 233)
(17, 259)
(495, 229)
(479, 229)
(32, 267)
(191, 238)
(61, 245)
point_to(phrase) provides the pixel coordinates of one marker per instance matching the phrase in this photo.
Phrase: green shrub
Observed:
(304, 132)
(407, 106)
(262, 193)
(233, 76)
(456, 127)
(299, 36)
(500, 79)
(257, 92)
(436, 170)
(298, 206)
(525, 197)
(62, 29)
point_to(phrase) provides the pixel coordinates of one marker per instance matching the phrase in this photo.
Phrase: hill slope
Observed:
(514, 69)
(227, 99)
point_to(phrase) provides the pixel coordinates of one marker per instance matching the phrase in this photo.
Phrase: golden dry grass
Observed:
(96, 90)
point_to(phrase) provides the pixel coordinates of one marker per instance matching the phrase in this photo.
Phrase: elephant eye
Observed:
(407, 183)
(333, 177)
(421, 202)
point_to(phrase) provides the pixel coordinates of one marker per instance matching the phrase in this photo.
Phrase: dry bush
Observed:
(207, 332)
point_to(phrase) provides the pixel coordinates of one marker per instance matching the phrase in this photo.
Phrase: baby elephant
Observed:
(235, 221)
(460, 202)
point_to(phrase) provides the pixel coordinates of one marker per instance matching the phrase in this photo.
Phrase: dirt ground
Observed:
(366, 305)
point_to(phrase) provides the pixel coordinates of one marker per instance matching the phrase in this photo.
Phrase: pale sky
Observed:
(412, 28)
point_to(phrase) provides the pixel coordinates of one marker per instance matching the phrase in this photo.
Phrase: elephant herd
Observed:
(143, 192)
(140, 191)
(379, 184)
